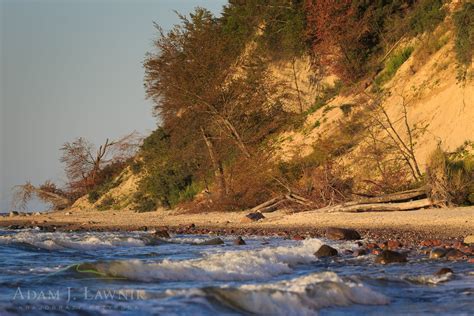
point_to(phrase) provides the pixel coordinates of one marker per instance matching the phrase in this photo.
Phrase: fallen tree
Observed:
(399, 201)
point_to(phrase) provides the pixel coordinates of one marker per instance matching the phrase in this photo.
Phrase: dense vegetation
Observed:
(220, 109)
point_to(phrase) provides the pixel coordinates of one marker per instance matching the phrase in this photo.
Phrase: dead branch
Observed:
(380, 207)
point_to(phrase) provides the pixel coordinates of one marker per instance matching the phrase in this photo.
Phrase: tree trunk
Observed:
(216, 165)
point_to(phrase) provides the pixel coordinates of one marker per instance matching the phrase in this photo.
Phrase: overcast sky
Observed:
(73, 68)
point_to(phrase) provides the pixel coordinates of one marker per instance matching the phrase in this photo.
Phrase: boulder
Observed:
(469, 239)
(210, 242)
(342, 234)
(454, 254)
(437, 253)
(388, 256)
(443, 271)
(325, 251)
(14, 213)
(252, 217)
(239, 241)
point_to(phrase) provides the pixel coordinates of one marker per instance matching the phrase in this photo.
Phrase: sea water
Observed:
(111, 273)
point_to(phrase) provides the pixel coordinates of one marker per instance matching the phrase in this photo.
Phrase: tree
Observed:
(214, 100)
(47, 193)
(83, 162)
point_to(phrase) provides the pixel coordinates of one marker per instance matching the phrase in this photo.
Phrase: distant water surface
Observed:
(132, 274)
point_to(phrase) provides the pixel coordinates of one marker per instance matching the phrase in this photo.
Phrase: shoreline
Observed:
(409, 227)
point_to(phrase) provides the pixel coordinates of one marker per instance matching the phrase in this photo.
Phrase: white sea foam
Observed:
(225, 266)
(300, 296)
(60, 241)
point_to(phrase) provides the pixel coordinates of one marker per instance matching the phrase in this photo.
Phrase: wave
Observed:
(226, 266)
(63, 241)
(299, 296)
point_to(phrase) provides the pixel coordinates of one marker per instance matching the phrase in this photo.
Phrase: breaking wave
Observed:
(228, 266)
(300, 296)
(62, 241)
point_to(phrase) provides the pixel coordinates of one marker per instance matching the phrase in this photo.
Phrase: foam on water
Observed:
(61, 241)
(226, 266)
(299, 296)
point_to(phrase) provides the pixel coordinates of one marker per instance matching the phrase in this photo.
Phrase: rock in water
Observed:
(342, 234)
(360, 252)
(239, 241)
(437, 253)
(443, 271)
(469, 239)
(162, 234)
(454, 254)
(325, 251)
(210, 242)
(388, 256)
(252, 217)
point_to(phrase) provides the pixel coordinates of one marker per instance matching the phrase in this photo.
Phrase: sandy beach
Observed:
(450, 223)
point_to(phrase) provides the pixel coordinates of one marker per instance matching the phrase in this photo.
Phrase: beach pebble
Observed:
(325, 251)
(388, 256)
(469, 239)
(342, 234)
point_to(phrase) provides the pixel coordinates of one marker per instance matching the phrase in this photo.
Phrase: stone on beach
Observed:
(469, 239)
(210, 242)
(239, 241)
(342, 234)
(252, 217)
(388, 256)
(161, 233)
(443, 271)
(325, 251)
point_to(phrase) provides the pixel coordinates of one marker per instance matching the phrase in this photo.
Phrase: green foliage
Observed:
(144, 203)
(451, 175)
(346, 108)
(93, 197)
(393, 64)
(464, 41)
(426, 15)
(168, 180)
(282, 25)
(136, 166)
(327, 93)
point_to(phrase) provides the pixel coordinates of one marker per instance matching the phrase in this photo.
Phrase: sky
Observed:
(73, 68)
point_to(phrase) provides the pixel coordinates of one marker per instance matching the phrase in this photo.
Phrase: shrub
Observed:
(106, 203)
(145, 204)
(93, 197)
(464, 41)
(426, 15)
(393, 64)
(450, 176)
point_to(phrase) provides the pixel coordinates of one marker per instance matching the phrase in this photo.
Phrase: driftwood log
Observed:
(400, 201)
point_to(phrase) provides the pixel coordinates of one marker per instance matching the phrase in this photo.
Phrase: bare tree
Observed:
(83, 161)
(47, 193)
